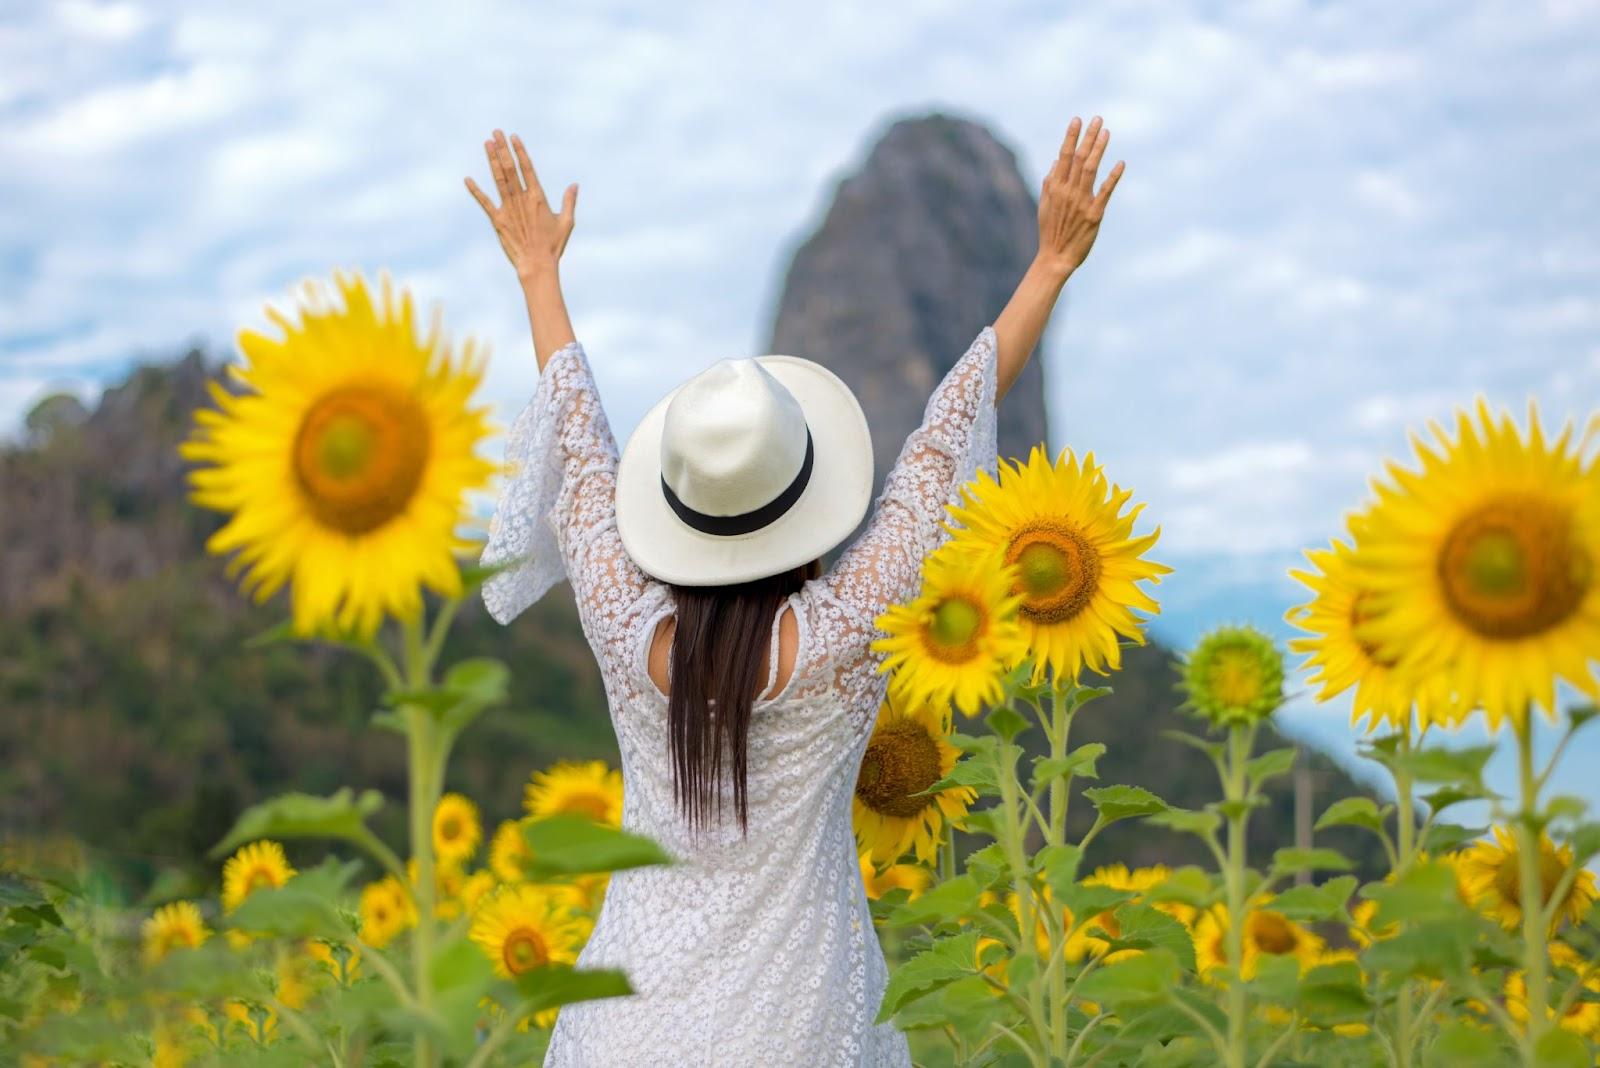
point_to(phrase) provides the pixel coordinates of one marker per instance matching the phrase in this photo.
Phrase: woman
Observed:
(694, 557)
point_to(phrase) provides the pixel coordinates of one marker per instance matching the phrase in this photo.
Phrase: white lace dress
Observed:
(758, 950)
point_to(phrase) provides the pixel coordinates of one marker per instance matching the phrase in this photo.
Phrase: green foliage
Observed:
(572, 845)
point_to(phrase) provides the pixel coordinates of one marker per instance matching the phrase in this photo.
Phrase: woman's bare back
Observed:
(788, 648)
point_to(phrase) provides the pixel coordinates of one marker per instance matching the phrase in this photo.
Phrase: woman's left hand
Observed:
(533, 236)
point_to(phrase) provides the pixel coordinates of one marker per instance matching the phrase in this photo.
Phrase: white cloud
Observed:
(1242, 463)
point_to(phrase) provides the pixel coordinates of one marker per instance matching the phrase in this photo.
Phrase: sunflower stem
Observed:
(426, 756)
(1055, 834)
(1405, 837)
(1535, 972)
(1240, 740)
(1022, 886)
(947, 853)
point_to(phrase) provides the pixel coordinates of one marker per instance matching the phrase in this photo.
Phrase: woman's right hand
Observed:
(1069, 207)
(533, 236)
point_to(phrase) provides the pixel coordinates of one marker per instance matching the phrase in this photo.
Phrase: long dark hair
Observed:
(717, 644)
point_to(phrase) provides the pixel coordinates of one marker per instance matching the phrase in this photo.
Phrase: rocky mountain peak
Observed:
(918, 251)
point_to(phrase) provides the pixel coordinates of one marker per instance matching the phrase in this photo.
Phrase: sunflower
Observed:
(508, 852)
(1343, 658)
(257, 866)
(456, 830)
(259, 1022)
(1493, 876)
(1485, 565)
(175, 926)
(587, 789)
(343, 460)
(908, 752)
(341, 959)
(1078, 564)
(475, 888)
(956, 640)
(297, 978)
(581, 789)
(912, 877)
(1234, 674)
(1092, 936)
(521, 928)
(1581, 1017)
(386, 910)
(1265, 932)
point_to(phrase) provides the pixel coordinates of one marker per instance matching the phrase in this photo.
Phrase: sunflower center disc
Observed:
(1058, 571)
(359, 456)
(1514, 568)
(1508, 877)
(1236, 679)
(260, 880)
(590, 805)
(1272, 933)
(450, 830)
(524, 950)
(952, 634)
(901, 759)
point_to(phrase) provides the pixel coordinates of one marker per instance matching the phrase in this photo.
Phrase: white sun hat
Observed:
(750, 468)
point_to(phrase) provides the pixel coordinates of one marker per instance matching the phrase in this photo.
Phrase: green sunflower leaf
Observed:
(1425, 892)
(1290, 861)
(1006, 721)
(1123, 802)
(1455, 767)
(947, 960)
(1079, 696)
(1559, 1048)
(1445, 796)
(341, 815)
(1188, 821)
(562, 985)
(475, 574)
(1585, 842)
(307, 906)
(1079, 762)
(1190, 885)
(568, 844)
(1316, 903)
(1448, 837)
(978, 774)
(1355, 812)
(1270, 765)
(1461, 1045)
(1132, 980)
(1059, 866)
(1141, 926)
(1333, 994)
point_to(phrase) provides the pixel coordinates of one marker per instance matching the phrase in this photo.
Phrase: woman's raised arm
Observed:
(1069, 220)
(533, 236)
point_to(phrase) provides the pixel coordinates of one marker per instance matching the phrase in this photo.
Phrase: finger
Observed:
(498, 171)
(1070, 143)
(483, 200)
(529, 178)
(1104, 196)
(1085, 145)
(1062, 167)
(569, 206)
(502, 151)
(1092, 164)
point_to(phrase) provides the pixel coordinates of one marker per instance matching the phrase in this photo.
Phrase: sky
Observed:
(1338, 221)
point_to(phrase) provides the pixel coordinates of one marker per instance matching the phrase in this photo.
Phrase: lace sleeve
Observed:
(557, 508)
(955, 439)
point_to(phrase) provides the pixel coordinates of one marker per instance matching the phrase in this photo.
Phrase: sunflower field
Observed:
(1465, 588)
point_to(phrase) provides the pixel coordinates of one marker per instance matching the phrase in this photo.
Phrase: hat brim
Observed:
(833, 502)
